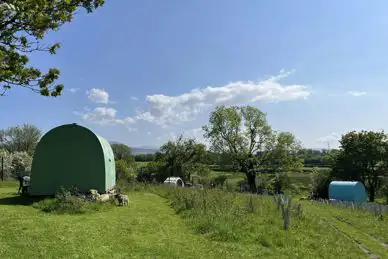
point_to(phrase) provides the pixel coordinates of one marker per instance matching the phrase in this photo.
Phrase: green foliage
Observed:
(183, 158)
(248, 140)
(67, 202)
(125, 171)
(384, 190)
(281, 182)
(321, 181)
(363, 157)
(122, 152)
(263, 181)
(23, 138)
(220, 180)
(15, 163)
(23, 24)
(144, 157)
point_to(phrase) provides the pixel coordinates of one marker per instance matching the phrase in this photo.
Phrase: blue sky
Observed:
(318, 69)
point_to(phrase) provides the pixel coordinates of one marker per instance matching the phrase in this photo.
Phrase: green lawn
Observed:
(148, 228)
(151, 228)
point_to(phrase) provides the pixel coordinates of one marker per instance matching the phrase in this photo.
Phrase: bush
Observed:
(66, 201)
(281, 182)
(262, 182)
(321, 181)
(384, 190)
(219, 180)
(125, 171)
(156, 169)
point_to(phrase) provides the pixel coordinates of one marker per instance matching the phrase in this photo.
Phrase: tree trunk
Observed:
(251, 177)
(372, 193)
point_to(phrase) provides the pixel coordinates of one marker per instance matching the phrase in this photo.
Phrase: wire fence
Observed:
(372, 207)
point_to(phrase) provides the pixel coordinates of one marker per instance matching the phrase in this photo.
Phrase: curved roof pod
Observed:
(174, 181)
(347, 191)
(72, 155)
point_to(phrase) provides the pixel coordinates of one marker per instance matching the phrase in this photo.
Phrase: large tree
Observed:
(183, 158)
(23, 25)
(20, 138)
(245, 136)
(122, 152)
(362, 157)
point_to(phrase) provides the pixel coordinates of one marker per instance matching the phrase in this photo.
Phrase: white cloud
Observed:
(331, 140)
(134, 98)
(356, 93)
(73, 90)
(167, 110)
(98, 95)
(105, 116)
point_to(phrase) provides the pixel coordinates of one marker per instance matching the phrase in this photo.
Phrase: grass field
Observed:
(185, 223)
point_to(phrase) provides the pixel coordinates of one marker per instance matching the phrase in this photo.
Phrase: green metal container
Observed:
(72, 155)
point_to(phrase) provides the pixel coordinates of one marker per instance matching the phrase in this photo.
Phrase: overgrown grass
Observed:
(254, 220)
(165, 222)
(72, 205)
(147, 228)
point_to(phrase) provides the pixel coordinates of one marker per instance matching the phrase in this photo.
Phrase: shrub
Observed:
(220, 180)
(281, 182)
(67, 201)
(384, 190)
(125, 171)
(321, 181)
(156, 169)
(262, 182)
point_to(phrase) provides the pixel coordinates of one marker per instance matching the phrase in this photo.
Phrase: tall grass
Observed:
(221, 215)
(247, 219)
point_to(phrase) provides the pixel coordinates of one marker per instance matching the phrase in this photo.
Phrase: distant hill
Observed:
(140, 149)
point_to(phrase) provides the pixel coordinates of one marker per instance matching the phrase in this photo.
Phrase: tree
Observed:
(244, 134)
(363, 157)
(183, 158)
(20, 138)
(122, 152)
(23, 24)
(321, 180)
(15, 163)
(125, 171)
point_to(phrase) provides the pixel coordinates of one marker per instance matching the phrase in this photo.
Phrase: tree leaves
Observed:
(23, 24)
(122, 152)
(20, 138)
(363, 157)
(244, 134)
(183, 157)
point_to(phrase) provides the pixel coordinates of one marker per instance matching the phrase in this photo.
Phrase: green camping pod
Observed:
(72, 155)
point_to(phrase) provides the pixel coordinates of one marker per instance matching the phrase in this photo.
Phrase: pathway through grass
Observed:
(343, 222)
(148, 228)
